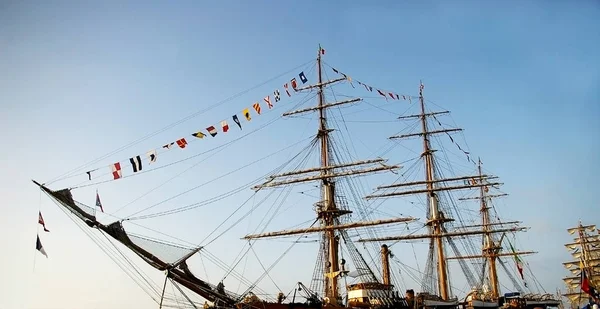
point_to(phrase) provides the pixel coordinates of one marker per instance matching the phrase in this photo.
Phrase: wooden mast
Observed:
(436, 221)
(330, 211)
(490, 248)
(431, 186)
(327, 210)
(385, 263)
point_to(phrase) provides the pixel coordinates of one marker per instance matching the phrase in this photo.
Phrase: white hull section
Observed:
(542, 303)
(483, 304)
(440, 303)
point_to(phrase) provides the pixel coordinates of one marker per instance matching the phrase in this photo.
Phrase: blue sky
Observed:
(81, 78)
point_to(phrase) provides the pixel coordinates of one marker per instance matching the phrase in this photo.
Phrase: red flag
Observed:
(286, 89)
(181, 143)
(41, 221)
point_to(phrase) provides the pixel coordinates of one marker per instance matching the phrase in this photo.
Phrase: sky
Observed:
(79, 79)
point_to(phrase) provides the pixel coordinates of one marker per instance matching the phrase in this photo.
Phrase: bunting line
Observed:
(137, 162)
(384, 93)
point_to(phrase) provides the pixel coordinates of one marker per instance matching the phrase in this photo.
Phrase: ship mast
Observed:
(327, 210)
(436, 222)
(586, 251)
(431, 186)
(328, 196)
(490, 248)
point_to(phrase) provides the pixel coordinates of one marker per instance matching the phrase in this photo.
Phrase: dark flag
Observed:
(237, 121)
(39, 247)
(98, 203)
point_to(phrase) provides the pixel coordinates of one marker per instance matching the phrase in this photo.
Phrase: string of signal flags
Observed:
(137, 162)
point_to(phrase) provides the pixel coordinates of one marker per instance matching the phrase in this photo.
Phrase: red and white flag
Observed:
(116, 170)
(286, 90)
(41, 221)
(224, 126)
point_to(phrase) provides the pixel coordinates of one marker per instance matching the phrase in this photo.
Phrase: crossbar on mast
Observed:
(478, 197)
(425, 133)
(424, 115)
(320, 168)
(317, 85)
(431, 190)
(326, 176)
(496, 255)
(424, 182)
(329, 228)
(321, 107)
(447, 234)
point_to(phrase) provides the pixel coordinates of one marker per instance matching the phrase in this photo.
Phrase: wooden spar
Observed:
(329, 228)
(426, 115)
(326, 176)
(322, 107)
(430, 190)
(484, 256)
(318, 169)
(487, 196)
(323, 84)
(413, 183)
(489, 224)
(441, 235)
(424, 133)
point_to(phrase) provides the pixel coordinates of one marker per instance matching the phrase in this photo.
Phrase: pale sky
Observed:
(79, 79)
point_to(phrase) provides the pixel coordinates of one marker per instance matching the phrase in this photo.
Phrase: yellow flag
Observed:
(199, 134)
(246, 113)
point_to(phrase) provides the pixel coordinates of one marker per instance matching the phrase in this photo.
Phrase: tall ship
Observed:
(583, 282)
(362, 235)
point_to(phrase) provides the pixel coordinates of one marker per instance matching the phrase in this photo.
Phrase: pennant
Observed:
(276, 95)
(366, 87)
(370, 88)
(98, 203)
(392, 95)
(116, 170)
(212, 131)
(256, 107)
(336, 71)
(151, 156)
(404, 97)
(286, 90)
(381, 93)
(267, 100)
(168, 146)
(225, 126)
(302, 77)
(237, 121)
(41, 221)
(397, 97)
(322, 51)
(294, 84)
(246, 113)
(198, 134)
(136, 163)
(518, 261)
(38, 246)
(89, 173)
(181, 143)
